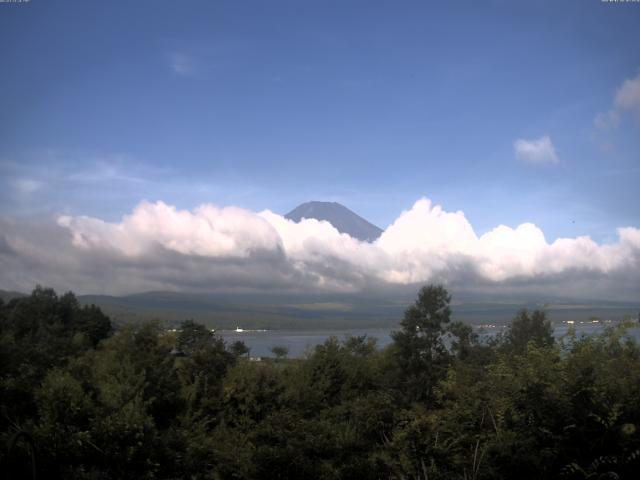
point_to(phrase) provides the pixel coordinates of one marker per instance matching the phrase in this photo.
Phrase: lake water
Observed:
(298, 342)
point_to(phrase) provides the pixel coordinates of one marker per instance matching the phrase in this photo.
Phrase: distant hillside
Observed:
(300, 312)
(343, 219)
(7, 295)
(332, 311)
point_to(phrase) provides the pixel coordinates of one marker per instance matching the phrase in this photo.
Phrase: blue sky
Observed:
(373, 104)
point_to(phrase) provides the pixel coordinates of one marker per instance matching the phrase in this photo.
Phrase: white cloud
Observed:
(207, 231)
(182, 63)
(109, 170)
(160, 247)
(27, 186)
(628, 95)
(605, 121)
(538, 151)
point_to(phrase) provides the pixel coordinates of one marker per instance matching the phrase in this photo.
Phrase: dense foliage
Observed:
(142, 402)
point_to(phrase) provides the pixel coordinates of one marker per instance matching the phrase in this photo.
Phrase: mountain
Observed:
(6, 296)
(343, 219)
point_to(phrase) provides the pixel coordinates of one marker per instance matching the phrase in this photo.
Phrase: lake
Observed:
(298, 342)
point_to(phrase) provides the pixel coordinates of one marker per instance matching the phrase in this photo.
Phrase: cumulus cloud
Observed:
(627, 98)
(537, 151)
(207, 231)
(159, 247)
(628, 95)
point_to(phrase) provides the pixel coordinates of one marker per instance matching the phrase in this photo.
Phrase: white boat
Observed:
(239, 330)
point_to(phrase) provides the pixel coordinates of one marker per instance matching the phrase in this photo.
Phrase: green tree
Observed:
(421, 354)
(37, 333)
(280, 351)
(463, 340)
(239, 348)
(528, 327)
(203, 367)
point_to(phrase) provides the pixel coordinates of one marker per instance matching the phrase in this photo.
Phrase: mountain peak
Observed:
(343, 219)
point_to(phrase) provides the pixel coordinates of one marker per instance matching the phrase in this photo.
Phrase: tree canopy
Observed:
(142, 401)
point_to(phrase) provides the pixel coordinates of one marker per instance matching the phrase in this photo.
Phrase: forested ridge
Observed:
(82, 399)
